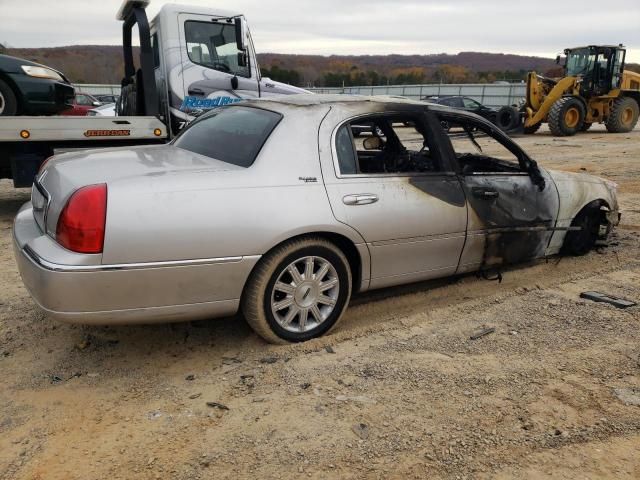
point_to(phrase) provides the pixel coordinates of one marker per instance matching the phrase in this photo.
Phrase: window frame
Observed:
(524, 161)
(449, 170)
(186, 45)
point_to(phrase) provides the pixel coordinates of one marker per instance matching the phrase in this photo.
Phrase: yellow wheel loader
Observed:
(595, 89)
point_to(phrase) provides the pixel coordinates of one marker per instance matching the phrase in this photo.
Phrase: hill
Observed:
(103, 64)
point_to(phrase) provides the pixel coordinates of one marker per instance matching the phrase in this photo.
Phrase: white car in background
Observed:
(108, 110)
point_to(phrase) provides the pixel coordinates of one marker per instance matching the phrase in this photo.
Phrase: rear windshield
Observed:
(231, 134)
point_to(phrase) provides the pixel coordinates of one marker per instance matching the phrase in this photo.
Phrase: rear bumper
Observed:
(125, 294)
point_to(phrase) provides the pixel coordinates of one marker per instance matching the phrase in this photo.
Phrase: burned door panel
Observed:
(510, 219)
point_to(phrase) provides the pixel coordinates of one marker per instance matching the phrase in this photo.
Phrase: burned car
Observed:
(273, 208)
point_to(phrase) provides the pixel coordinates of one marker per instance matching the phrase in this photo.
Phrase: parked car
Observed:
(28, 88)
(270, 207)
(106, 99)
(82, 103)
(106, 110)
(465, 103)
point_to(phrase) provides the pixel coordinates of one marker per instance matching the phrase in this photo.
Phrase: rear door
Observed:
(397, 192)
(513, 206)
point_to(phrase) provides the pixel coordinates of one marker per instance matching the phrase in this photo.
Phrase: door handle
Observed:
(485, 193)
(195, 91)
(360, 199)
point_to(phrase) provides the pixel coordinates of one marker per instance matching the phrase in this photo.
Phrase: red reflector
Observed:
(81, 223)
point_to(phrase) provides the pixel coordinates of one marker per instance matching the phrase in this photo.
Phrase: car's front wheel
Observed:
(8, 102)
(298, 291)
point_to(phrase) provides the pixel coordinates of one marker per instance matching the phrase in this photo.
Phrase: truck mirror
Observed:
(241, 35)
(558, 60)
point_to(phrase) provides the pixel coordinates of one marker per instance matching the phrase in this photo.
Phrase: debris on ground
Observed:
(361, 430)
(628, 396)
(482, 333)
(217, 405)
(604, 298)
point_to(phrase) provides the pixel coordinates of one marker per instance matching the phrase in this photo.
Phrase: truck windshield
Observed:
(232, 134)
(580, 62)
(213, 45)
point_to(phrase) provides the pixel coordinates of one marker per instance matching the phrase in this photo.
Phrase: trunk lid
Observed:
(65, 173)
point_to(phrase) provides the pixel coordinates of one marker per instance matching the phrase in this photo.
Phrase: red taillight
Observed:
(81, 223)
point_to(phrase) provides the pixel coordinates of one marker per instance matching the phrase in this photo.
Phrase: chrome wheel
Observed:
(305, 294)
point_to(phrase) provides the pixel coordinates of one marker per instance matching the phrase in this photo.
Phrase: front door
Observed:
(210, 65)
(513, 205)
(393, 187)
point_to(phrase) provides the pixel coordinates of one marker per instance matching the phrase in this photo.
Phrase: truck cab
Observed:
(194, 59)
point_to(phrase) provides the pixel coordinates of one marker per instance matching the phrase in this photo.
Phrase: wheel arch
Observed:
(14, 88)
(591, 205)
(358, 257)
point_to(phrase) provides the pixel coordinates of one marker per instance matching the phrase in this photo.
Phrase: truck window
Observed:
(213, 45)
(231, 134)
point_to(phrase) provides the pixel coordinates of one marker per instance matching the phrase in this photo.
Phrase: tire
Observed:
(566, 117)
(580, 242)
(8, 101)
(261, 296)
(586, 126)
(533, 128)
(508, 118)
(624, 115)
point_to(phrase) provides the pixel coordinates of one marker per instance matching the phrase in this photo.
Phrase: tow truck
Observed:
(191, 59)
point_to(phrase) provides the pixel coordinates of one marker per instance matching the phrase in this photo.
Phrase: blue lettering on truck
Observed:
(197, 103)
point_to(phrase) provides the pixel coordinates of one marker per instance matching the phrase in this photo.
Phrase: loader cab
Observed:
(599, 67)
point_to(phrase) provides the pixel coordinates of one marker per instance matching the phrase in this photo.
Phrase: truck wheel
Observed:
(586, 126)
(8, 101)
(566, 117)
(624, 115)
(507, 118)
(298, 291)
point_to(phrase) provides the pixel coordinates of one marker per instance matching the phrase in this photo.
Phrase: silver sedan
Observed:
(275, 208)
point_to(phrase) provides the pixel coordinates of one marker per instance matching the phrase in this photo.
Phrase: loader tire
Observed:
(566, 117)
(533, 128)
(624, 115)
(508, 118)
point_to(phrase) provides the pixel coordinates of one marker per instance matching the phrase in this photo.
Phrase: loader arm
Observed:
(535, 117)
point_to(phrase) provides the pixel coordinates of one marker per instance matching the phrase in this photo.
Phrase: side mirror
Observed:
(96, 104)
(241, 34)
(372, 143)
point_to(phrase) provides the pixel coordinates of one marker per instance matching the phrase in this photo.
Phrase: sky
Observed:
(358, 27)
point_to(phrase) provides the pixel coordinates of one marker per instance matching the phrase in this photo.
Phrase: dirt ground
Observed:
(398, 390)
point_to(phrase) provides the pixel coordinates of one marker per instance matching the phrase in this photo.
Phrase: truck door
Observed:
(212, 70)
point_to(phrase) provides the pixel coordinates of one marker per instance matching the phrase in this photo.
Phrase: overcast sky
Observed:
(328, 27)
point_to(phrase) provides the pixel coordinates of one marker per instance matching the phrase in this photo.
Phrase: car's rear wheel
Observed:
(8, 101)
(298, 291)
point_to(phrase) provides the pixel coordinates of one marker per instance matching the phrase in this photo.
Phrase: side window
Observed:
(213, 45)
(478, 150)
(470, 104)
(83, 100)
(156, 51)
(386, 144)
